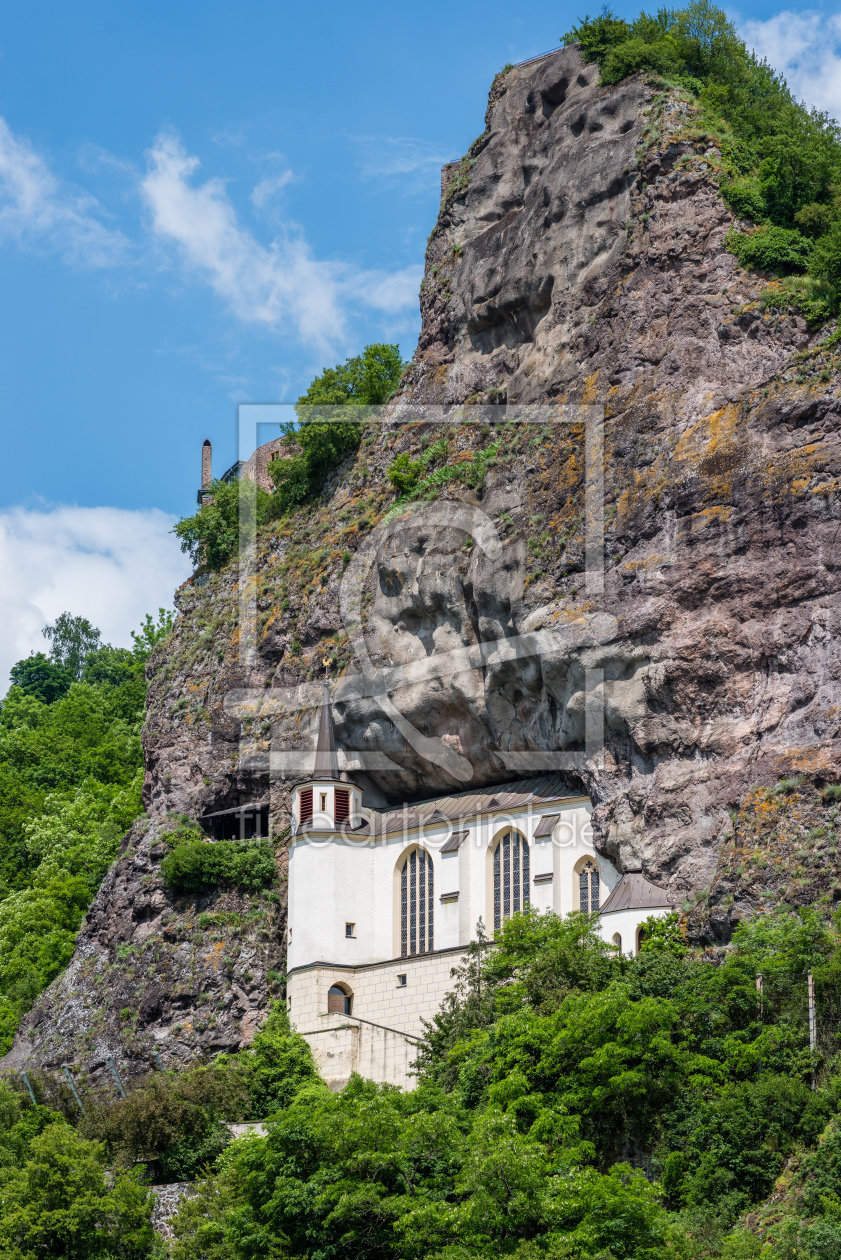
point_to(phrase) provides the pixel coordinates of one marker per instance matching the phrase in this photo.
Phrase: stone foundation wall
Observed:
(167, 1202)
(378, 1039)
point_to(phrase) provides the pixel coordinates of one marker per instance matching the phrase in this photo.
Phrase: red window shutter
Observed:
(342, 804)
(306, 805)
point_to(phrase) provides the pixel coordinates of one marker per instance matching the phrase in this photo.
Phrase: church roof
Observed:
(326, 761)
(503, 798)
(635, 892)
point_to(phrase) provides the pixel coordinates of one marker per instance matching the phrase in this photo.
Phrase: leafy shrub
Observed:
(181, 829)
(176, 1123)
(815, 219)
(784, 160)
(276, 1066)
(817, 299)
(194, 866)
(322, 438)
(173, 1122)
(404, 473)
(745, 196)
(211, 537)
(636, 53)
(663, 935)
(825, 263)
(58, 1204)
(771, 248)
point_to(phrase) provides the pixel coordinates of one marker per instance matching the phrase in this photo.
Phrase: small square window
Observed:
(401, 982)
(350, 929)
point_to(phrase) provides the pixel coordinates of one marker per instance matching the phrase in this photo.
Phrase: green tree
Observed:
(152, 632)
(72, 640)
(211, 537)
(322, 439)
(783, 160)
(366, 380)
(59, 1205)
(42, 678)
(70, 782)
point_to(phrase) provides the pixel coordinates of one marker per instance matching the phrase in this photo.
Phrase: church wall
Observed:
(344, 1045)
(336, 880)
(377, 994)
(626, 924)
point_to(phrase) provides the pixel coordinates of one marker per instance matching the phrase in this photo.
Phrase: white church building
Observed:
(383, 902)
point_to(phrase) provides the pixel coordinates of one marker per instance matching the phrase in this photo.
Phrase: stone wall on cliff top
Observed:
(579, 257)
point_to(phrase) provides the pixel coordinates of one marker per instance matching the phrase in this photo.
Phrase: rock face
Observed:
(156, 980)
(722, 446)
(578, 260)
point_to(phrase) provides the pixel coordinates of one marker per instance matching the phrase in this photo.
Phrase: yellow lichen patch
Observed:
(792, 472)
(651, 562)
(591, 389)
(811, 759)
(717, 513)
(828, 487)
(712, 435)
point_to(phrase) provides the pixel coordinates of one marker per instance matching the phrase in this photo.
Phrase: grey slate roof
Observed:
(501, 798)
(326, 761)
(635, 892)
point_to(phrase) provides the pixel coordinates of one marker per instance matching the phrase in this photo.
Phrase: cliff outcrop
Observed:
(578, 259)
(157, 980)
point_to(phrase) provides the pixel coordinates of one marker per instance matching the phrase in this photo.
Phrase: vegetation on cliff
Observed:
(782, 161)
(318, 442)
(72, 1186)
(71, 770)
(571, 1104)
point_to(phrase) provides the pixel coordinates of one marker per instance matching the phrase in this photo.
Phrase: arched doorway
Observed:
(339, 1000)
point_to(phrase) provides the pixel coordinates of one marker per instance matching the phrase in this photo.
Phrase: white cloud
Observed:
(261, 284)
(399, 156)
(271, 284)
(107, 564)
(268, 188)
(279, 284)
(390, 291)
(36, 206)
(806, 48)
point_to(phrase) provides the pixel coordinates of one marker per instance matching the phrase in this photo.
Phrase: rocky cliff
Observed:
(578, 259)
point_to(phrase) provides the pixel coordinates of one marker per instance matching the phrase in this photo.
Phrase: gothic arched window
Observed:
(511, 876)
(588, 888)
(417, 890)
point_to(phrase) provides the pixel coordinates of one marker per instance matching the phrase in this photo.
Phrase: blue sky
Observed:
(202, 204)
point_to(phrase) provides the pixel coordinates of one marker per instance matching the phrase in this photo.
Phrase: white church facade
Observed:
(383, 902)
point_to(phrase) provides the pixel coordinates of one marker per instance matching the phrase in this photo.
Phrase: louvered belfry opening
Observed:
(306, 805)
(417, 893)
(588, 888)
(511, 877)
(342, 804)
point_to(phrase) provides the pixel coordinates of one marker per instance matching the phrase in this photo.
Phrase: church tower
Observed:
(325, 802)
